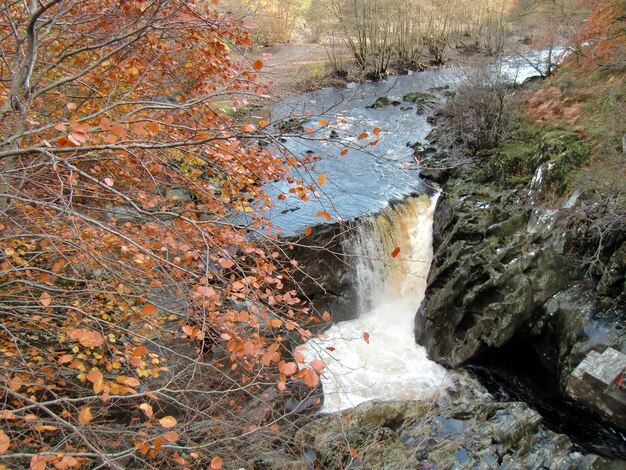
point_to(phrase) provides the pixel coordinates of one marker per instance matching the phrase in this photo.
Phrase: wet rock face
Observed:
(507, 266)
(323, 275)
(488, 275)
(410, 434)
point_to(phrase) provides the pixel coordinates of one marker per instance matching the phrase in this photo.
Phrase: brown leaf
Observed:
(85, 416)
(45, 299)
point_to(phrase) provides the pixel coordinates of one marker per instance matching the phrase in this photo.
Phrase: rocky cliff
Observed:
(521, 256)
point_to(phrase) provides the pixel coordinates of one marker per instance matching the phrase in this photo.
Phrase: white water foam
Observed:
(375, 356)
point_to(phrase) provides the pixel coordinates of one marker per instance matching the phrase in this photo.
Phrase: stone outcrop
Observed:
(509, 266)
(323, 276)
(414, 434)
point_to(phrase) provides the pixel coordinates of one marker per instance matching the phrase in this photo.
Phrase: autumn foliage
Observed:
(124, 277)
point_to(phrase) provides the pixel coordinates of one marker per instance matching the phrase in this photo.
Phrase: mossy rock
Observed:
(423, 101)
(380, 102)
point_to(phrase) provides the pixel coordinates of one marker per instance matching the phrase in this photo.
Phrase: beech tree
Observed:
(124, 279)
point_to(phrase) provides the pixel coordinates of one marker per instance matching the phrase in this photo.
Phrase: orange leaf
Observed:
(363, 135)
(217, 463)
(343, 152)
(310, 379)
(376, 131)
(16, 383)
(171, 436)
(72, 106)
(257, 64)
(105, 124)
(366, 337)
(321, 179)
(153, 127)
(87, 338)
(309, 130)
(128, 381)
(168, 422)
(308, 231)
(249, 127)
(323, 122)
(226, 263)
(324, 214)
(84, 416)
(65, 358)
(318, 365)
(326, 316)
(97, 379)
(148, 309)
(4, 442)
(288, 368)
(45, 299)
(395, 252)
(140, 351)
(374, 142)
(118, 130)
(275, 323)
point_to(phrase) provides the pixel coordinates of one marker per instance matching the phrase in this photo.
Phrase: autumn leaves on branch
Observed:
(123, 283)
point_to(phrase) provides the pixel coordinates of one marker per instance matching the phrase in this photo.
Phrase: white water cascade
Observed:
(375, 356)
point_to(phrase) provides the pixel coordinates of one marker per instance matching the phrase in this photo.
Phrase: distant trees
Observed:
(384, 32)
(274, 20)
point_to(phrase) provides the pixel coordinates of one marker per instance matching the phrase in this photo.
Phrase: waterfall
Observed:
(375, 356)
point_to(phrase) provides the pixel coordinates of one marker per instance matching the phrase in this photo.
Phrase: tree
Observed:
(123, 276)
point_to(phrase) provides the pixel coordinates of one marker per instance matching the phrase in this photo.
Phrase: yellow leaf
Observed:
(168, 422)
(85, 416)
(147, 409)
(323, 122)
(321, 179)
